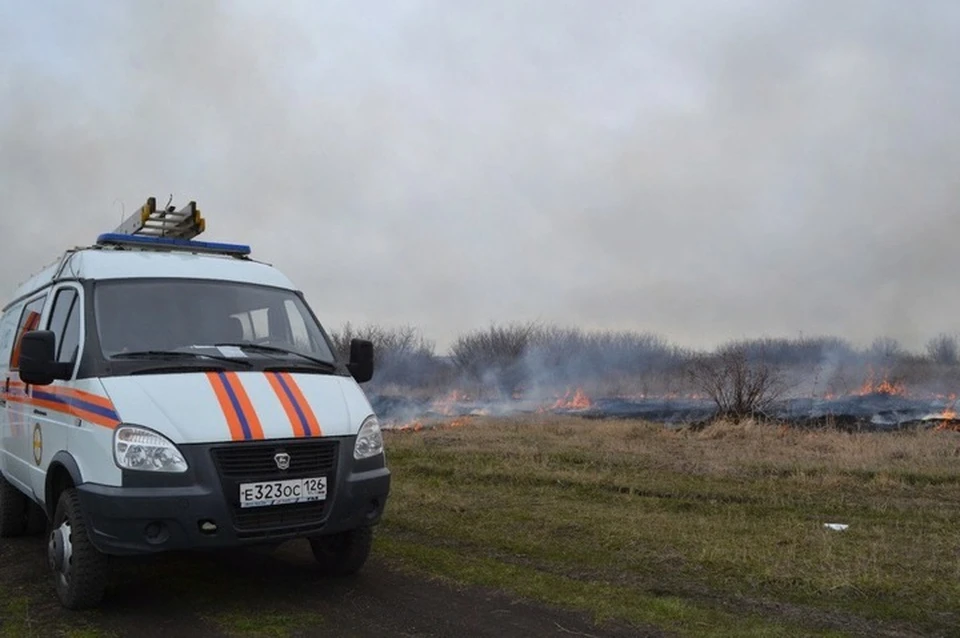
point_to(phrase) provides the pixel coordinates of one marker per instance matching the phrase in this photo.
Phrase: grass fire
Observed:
(530, 368)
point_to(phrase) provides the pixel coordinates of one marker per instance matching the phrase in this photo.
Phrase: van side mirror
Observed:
(38, 354)
(361, 360)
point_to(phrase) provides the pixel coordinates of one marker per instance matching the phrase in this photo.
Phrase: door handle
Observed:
(40, 412)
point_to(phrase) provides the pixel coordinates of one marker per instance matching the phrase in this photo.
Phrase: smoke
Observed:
(704, 171)
(505, 370)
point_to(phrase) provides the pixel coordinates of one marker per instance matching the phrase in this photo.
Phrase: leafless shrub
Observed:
(800, 352)
(402, 355)
(739, 379)
(494, 356)
(943, 350)
(886, 348)
(571, 356)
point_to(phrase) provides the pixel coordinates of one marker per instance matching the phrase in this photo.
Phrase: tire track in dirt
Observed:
(218, 594)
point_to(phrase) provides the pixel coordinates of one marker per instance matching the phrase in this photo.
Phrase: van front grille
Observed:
(256, 460)
(246, 462)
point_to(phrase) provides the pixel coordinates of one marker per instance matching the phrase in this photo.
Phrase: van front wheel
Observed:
(13, 510)
(79, 570)
(342, 554)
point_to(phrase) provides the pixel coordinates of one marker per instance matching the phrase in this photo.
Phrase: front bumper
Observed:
(200, 509)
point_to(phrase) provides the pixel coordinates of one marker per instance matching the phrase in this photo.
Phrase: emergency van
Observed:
(164, 393)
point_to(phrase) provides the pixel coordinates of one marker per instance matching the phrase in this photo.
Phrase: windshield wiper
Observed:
(257, 346)
(178, 354)
(175, 369)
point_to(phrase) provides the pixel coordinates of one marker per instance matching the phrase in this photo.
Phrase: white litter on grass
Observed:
(836, 526)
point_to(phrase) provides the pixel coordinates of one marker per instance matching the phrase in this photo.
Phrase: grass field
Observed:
(718, 532)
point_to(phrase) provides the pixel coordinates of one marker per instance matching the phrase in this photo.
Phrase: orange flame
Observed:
(948, 417)
(418, 426)
(576, 401)
(446, 405)
(414, 426)
(885, 386)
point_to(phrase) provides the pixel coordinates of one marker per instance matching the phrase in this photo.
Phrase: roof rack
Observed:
(168, 229)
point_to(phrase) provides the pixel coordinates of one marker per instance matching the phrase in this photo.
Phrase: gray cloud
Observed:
(702, 170)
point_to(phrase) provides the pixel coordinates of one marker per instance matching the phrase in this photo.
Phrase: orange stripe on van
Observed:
(299, 427)
(86, 397)
(49, 399)
(247, 413)
(226, 405)
(299, 401)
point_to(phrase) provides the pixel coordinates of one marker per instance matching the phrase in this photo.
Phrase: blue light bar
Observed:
(172, 243)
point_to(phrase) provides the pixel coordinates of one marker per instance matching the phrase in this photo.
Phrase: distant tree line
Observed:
(532, 359)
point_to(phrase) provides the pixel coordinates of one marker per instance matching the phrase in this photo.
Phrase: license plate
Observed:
(283, 492)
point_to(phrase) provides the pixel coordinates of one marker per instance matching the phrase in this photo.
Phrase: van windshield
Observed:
(136, 315)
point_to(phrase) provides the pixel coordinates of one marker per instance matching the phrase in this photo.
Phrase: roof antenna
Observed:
(169, 201)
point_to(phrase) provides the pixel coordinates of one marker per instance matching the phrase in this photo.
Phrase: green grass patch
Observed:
(15, 619)
(606, 601)
(19, 619)
(731, 518)
(263, 624)
(87, 632)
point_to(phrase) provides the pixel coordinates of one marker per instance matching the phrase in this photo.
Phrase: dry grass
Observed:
(727, 520)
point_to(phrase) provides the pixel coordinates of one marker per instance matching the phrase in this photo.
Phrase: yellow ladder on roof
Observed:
(185, 223)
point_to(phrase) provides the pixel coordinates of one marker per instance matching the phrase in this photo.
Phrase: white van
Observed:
(162, 393)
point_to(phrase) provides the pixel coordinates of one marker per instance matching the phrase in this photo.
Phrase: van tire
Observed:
(85, 584)
(13, 510)
(344, 553)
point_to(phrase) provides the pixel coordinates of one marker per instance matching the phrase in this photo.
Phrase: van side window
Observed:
(70, 346)
(29, 320)
(8, 329)
(65, 324)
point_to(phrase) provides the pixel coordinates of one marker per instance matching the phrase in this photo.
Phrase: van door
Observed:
(8, 333)
(52, 417)
(17, 441)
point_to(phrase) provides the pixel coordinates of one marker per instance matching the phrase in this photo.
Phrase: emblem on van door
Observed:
(37, 444)
(282, 460)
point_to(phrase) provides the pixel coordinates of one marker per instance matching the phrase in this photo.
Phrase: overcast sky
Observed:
(701, 169)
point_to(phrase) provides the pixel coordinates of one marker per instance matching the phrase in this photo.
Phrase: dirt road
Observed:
(277, 594)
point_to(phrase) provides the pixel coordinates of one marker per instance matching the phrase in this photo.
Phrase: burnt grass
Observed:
(870, 412)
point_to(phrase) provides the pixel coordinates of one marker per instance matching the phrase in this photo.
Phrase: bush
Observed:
(601, 361)
(494, 356)
(942, 349)
(740, 379)
(402, 356)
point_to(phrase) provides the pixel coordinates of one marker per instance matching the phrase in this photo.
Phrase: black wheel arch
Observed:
(62, 473)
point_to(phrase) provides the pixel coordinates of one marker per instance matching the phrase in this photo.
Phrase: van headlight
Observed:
(137, 448)
(369, 439)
